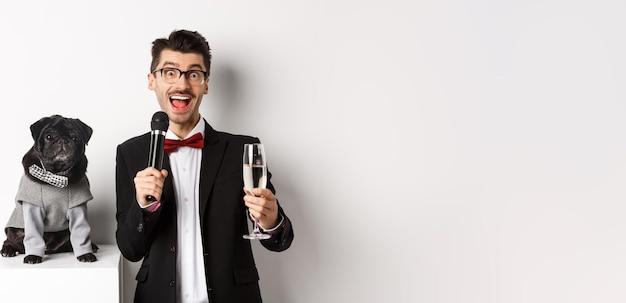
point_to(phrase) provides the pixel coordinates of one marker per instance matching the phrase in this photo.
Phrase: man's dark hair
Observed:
(183, 41)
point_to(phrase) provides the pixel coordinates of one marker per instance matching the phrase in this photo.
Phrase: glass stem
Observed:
(256, 226)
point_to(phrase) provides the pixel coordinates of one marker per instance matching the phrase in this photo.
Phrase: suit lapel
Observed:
(212, 155)
(168, 185)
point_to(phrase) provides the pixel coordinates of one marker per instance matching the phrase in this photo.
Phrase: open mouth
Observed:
(180, 102)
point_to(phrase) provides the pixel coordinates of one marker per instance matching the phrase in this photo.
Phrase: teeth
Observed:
(179, 98)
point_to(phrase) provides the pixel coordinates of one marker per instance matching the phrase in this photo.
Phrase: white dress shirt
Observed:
(185, 165)
(185, 172)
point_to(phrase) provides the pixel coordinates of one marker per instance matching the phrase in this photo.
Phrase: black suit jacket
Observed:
(229, 265)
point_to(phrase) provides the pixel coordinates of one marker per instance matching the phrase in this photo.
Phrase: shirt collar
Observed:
(199, 128)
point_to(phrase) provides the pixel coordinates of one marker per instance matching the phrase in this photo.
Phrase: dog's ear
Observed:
(84, 129)
(37, 127)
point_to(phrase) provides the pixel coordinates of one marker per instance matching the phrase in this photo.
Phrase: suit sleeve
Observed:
(134, 225)
(282, 236)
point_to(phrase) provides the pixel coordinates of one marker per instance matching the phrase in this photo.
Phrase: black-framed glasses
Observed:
(171, 74)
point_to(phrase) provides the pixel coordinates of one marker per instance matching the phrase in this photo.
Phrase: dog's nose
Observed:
(63, 143)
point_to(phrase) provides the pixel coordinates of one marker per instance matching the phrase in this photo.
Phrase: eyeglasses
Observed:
(171, 75)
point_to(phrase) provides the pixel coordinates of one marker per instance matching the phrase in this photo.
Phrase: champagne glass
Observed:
(254, 176)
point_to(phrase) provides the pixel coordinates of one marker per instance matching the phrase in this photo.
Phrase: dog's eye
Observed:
(48, 137)
(74, 138)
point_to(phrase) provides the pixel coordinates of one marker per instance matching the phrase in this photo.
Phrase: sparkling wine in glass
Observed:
(254, 176)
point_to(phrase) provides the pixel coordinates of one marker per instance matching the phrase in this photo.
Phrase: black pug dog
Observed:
(50, 215)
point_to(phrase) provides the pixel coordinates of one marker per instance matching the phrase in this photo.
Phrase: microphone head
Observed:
(160, 121)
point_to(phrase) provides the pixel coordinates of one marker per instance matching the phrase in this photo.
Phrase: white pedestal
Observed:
(62, 278)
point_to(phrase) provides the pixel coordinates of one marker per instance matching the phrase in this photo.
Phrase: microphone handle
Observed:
(155, 158)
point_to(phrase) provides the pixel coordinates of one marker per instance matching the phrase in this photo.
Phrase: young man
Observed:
(191, 238)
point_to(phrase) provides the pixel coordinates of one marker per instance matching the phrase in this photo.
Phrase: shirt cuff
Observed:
(152, 207)
(280, 224)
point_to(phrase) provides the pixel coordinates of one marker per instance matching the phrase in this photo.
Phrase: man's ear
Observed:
(151, 80)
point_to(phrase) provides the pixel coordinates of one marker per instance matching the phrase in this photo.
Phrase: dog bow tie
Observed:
(195, 141)
(58, 180)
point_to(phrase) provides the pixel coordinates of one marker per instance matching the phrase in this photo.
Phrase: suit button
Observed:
(173, 249)
(140, 227)
(172, 283)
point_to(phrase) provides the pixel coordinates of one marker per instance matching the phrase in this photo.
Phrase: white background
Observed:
(426, 151)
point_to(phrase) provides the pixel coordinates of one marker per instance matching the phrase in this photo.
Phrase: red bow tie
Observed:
(195, 141)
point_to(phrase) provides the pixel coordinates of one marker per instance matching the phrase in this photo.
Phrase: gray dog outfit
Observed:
(47, 208)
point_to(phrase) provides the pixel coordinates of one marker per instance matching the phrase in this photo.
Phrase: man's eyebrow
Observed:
(194, 66)
(173, 64)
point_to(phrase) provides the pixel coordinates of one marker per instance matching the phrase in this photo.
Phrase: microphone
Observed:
(160, 123)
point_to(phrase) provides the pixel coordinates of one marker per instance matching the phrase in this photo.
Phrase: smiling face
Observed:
(180, 100)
